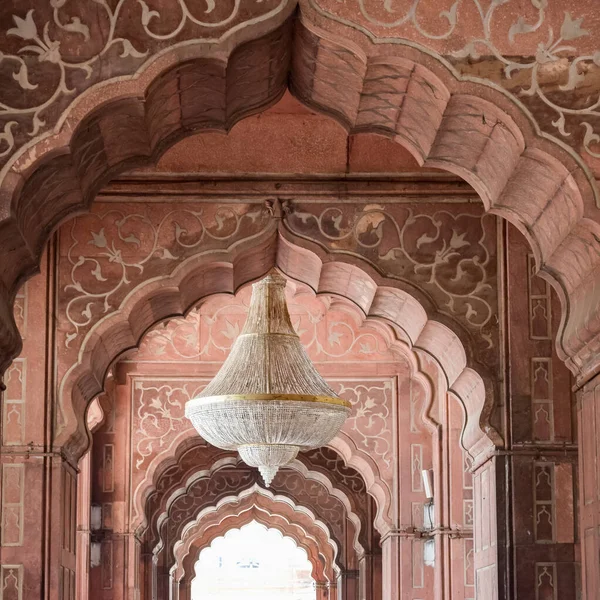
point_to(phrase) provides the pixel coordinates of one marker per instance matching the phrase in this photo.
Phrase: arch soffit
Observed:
(221, 468)
(253, 504)
(519, 174)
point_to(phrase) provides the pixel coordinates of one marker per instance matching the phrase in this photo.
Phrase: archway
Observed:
(267, 565)
(482, 159)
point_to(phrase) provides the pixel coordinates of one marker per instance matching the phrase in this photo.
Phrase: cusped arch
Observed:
(395, 90)
(266, 507)
(208, 487)
(379, 299)
(267, 520)
(199, 460)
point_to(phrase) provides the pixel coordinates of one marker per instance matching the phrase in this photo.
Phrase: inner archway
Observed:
(501, 190)
(253, 562)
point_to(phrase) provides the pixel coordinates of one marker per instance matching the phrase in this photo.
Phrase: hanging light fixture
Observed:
(268, 401)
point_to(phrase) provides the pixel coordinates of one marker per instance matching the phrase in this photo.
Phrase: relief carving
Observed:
(110, 253)
(519, 46)
(67, 46)
(450, 257)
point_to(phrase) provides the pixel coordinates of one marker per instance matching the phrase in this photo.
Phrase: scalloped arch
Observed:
(296, 466)
(394, 90)
(250, 504)
(218, 473)
(269, 521)
(224, 272)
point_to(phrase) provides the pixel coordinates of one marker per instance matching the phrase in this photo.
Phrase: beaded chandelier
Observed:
(268, 401)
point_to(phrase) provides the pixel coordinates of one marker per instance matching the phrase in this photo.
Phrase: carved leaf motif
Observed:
(450, 15)
(231, 330)
(23, 78)
(426, 239)
(560, 125)
(7, 137)
(468, 51)
(129, 50)
(25, 28)
(571, 28)
(575, 78)
(76, 26)
(520, 27)
(99, 239)
(147, 14)
(97, 273)
(334, 337)
(166, 254)
(590, 137)
(132, 239)
(458, 241)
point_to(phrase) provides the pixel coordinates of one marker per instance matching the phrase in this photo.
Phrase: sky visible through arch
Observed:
(254, 563)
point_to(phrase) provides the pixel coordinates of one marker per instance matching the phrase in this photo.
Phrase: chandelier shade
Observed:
(268, 401)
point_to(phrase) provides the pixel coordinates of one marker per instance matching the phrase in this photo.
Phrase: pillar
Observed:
(185, 590)
(38, 498)
(82, 583)
(322, 590)
(370, 576)
(390, 564)
(348, 585)
(118, 575)
(589, 472)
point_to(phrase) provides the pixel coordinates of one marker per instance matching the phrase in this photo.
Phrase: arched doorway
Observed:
(254, 562)
(566, 252)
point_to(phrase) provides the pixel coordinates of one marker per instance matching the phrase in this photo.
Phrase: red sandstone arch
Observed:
(268, 520)
(390, 89)
(378, 298)
(329, 487)
(208, 487)
(261, 505)
(201, 460)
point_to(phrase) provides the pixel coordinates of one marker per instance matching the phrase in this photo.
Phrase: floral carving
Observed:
(111, 252)
(550, 41)
(67, 45)
(448, 255)
(159, 416)
(329, 332)
(370, 423)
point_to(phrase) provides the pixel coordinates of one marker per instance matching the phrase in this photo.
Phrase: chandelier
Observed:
(268, 401)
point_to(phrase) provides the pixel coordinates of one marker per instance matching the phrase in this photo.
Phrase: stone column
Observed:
(38, 497)
(82, 573)
(348, 585)
(322, 590)
(370, 577)
(488, 538)
(333, 591)
(185, 590)
(390, 559)
(117, 577)
(589, 474)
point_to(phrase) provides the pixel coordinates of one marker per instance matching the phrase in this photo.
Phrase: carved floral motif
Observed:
(328, 330)
(370, 423)
(67, 45)
(111, 252)
(529, 43)
(449, 256)
(159, 416)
